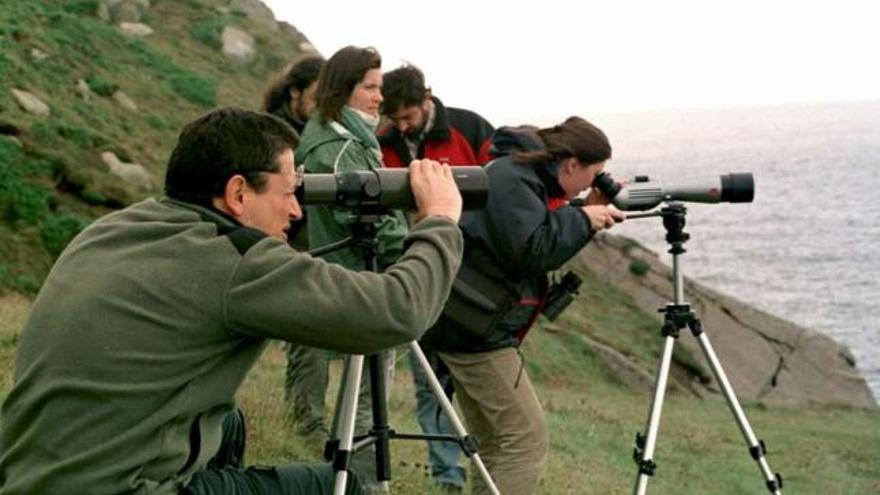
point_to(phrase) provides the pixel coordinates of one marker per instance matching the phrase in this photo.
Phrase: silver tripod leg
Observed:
(645, 445)
(343, 424)
(456, 423)
(756, 447)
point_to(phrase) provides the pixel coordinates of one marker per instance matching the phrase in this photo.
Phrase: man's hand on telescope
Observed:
(603, 216)
(434, 190)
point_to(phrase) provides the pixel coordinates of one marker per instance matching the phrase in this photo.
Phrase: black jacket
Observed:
(510, 246)
(284, 112)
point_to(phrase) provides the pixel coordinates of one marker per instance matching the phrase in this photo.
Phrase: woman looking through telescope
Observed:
(526, 230)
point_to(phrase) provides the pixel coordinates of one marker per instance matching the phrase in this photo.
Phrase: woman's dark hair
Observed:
(402, 88)
(573, 138)
(342, 72)
(220, 144)
(298, 76)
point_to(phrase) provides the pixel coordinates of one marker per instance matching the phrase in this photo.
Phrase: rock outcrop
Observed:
(30, 103)
(117, 11)
(238, 45)
(131, 173)
(135, 29)
(765, 358)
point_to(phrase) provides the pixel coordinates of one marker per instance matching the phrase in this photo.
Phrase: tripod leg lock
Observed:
(775, 485)
(469, 445)
(330, 448)
(696, 327)
(758, 451)
(646, 466)
(669, 330)
(341, 459)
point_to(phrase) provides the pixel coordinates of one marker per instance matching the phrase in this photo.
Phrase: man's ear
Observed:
(233, 195)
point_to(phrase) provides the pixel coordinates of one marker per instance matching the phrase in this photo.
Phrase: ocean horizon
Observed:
(807, 248)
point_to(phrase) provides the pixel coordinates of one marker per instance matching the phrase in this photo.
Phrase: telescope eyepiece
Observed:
(605, 183)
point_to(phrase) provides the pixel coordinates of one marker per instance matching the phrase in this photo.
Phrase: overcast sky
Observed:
(543, 60)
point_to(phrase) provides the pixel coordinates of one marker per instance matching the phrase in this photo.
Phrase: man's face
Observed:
(411, 120)
(306, 102)
(367, 94)
(272, 209)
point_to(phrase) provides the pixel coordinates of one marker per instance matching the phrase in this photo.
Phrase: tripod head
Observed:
(674, 220)
(363, 234)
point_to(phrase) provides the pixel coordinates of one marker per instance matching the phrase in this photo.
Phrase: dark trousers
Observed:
(225, 474)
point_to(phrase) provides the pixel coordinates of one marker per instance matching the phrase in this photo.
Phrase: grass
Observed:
(593, 421)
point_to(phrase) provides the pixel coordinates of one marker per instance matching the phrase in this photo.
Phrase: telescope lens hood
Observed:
(737, 188)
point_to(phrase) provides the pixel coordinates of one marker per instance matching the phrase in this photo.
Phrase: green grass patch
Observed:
(209, 31)
(102, 86)
(193, 87)
(57, 231)
(81, 7)
(639, 267)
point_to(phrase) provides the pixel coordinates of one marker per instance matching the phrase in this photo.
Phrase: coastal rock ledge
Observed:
(767, 359)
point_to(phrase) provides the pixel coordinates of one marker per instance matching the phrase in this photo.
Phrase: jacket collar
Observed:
(440, 129)
(212, 215)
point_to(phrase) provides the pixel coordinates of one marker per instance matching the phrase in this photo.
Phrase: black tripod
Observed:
(676, 317)
(343, 443)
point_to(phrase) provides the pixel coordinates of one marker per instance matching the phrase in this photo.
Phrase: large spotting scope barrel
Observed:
(386, 188)
(644, 194)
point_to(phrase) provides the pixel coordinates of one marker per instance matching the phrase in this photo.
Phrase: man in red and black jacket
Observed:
(422, 127)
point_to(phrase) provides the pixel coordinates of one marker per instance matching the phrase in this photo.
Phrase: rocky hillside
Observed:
(92, 96)
(94, 92)
(767, 359)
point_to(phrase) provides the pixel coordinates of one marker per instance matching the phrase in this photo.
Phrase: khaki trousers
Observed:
(504, 415)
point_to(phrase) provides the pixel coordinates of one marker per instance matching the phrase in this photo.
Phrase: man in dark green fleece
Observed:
(151, 318)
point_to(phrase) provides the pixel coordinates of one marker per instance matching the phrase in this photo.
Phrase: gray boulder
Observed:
(131, 173)
(83, 90)
(30, 103)
(125, 101)
(238, 45)
(38, 55)
(135, 29)
(125, 10)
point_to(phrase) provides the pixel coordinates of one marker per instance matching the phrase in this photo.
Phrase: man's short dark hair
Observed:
(298, 76)
(403, 87)
(220, 144)
(342, 72)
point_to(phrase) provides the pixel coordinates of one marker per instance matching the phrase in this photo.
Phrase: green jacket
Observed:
(149, 322)
(327, 148)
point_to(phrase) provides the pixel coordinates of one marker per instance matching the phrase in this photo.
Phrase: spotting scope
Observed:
(643, 193)
(386, 188)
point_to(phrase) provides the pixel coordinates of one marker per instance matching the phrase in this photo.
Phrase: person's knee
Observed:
(531, 443)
